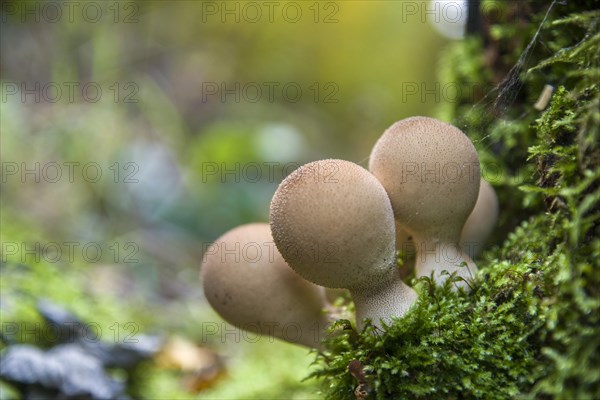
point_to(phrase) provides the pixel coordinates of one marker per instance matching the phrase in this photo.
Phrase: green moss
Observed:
(530, 326)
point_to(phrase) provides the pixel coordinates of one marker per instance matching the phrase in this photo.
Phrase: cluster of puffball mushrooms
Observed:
(335, 225)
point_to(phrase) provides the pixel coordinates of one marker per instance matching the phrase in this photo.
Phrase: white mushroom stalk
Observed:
(333, 223)
(431, 173)
(248, 283)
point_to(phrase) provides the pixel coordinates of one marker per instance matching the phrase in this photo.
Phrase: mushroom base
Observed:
(440, 259)
(391, 299)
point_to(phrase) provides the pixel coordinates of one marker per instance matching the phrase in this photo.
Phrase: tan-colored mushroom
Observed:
(333, 223)
(248, 283)
(431, 173)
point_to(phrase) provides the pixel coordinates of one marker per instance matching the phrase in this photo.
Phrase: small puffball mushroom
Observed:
(333, 223)
(248, 283)
(481, 222)
(430, 171)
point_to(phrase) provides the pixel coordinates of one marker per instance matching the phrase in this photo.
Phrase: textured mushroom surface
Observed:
(333, 223)
(430, 170)
(247, 282)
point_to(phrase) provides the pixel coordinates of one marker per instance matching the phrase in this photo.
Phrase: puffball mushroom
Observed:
(431, 173)
(480, 223)
(333, 223)
(248, 283)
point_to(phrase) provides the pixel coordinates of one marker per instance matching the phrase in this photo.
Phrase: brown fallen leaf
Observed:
(202, 366)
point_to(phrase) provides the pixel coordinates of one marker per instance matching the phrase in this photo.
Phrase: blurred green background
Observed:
(165, 103)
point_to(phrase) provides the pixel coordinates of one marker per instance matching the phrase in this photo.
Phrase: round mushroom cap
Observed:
(480, 223)
(333, 223)
(430, 171)
(248, 283)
